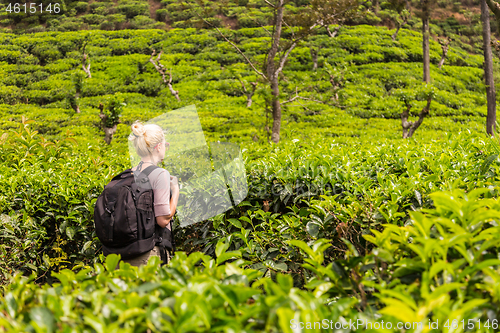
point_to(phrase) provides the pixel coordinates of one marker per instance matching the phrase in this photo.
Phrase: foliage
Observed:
(181, 297)
(49, 199)
(341, 218)
(113, 107)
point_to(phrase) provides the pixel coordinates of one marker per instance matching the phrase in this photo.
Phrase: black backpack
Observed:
(124, 217)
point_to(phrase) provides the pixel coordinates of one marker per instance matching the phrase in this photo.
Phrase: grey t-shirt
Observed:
(160, 182)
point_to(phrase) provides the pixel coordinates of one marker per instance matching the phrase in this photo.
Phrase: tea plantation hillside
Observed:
(361, 71)
(458, 19)
(344, 221)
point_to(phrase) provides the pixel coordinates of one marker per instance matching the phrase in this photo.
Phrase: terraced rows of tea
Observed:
(343, 221)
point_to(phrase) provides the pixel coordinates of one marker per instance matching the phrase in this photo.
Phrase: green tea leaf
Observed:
(111, 262)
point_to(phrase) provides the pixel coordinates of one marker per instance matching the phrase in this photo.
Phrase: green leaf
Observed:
(86, 246)
(94, 322)
(399, 310)
(111, 262)
(301, 245)
(285, 282)
(147, 287)
(285, 319)
(279, 266)
(70, 232)
(490, 159)
(131, 313)
(419, 197)
(235, 222)
(228, 255)
(322, 289)
(43, 318)
(11, 305)
(220, 247)
(384, 255)
(312, 229)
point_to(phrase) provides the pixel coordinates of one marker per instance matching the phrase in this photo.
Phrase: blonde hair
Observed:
(146, 137)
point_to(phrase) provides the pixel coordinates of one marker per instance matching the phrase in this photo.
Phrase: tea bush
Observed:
(182, 297)
(338, 217)
(52, 185)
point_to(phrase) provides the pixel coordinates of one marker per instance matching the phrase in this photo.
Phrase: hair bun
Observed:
(138, 129)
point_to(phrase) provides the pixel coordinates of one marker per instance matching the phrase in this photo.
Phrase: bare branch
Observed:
(270, 4)
(303, 98)
(410, 127)
(445, 44)
(284, 58)
(242, 54)
(291, 28)
(242, 84)
(335, 32)
(86, 69)
(161, 69)
(495, 7)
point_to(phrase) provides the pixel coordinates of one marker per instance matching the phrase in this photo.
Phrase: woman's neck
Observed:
(150, 162)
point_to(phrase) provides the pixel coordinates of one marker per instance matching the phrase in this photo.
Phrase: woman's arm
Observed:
(164, 220)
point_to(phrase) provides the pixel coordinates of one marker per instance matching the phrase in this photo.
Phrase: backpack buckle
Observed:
(108, 210)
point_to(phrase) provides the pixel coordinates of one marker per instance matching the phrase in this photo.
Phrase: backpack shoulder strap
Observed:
(124, 174)
(149, 169)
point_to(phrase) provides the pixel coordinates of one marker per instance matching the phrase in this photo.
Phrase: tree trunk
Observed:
(249, 101)
(272, 73)
(162, 70)
(395, 34)
(410, 127)
(314, 56)
(425, 41)
(488, 69)
(376, 6)
(86, 65)
(75, 107)
(334, 33)
(250, 94)
(276, 107)
(109, 132)
(445, 48)
(494, 6)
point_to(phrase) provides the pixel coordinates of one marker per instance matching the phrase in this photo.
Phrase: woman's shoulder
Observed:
(159, 173)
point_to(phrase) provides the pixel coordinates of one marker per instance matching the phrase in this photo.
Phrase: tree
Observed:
(401, 16)
(250, 91)
(110, 115)
(488, 64)
(337, 78)
(425, 93)
(495, 8)
(425, 40)
(163, 71)
(445, 46)
(74, 96)
(86, 64)
(317, 14)
(78, 77)
(410, 127)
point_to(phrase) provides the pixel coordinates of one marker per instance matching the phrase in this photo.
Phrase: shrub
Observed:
(81, 7)
(161, 14)
(93, 18)
(10, 94)
(133, 9)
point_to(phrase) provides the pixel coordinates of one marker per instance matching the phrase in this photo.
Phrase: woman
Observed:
(149, 143)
